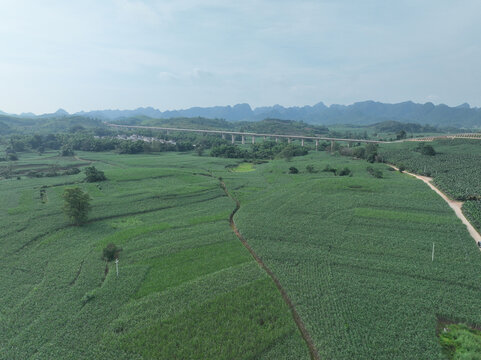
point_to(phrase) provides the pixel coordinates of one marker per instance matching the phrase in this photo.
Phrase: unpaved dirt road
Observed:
(455, 205)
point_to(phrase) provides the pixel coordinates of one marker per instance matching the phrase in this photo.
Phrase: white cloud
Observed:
(171, 53)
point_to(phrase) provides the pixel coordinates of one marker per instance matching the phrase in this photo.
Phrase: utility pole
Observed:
(117, 266)
(432, 256)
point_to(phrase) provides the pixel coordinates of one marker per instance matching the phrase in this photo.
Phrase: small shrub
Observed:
(199, 150)
(94, 175)
(402, 167)
(428, 150)
(72, 171)
(345, 172)
(43, 195)
(425, 149)
(359, 152)
(374, 172)
(111, 252)
(328, 168)
(293, 170)
(310, 169)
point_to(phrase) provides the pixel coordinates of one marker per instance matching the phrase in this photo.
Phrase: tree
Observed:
(401, 135)
(359, 152)
(199, 150)
(111, 252)
(94, 175)
(287, 153)
(293, 170)
(371, 152)
(66, 150)
(77, 205)
(428, 150)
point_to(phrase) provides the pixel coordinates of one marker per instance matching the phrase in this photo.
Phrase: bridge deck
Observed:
(476, 136)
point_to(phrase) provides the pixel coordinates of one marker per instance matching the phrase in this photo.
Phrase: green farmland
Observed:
(187, 288)
(353, 253)
(455, 169)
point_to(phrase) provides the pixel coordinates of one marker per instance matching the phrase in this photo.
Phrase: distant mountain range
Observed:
(360, 113)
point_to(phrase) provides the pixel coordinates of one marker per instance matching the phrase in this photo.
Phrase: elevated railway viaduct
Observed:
(245, 135)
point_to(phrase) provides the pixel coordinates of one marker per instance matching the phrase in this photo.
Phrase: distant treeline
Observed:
(264, 150)
(90, 142)
(107, 140)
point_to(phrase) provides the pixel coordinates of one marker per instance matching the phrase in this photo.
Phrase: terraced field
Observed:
(187, 288)
(353, 254)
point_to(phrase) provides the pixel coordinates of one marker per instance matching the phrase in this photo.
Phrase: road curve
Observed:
(455, 205)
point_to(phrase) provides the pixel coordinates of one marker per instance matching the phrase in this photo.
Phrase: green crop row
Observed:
(355, 255)
(187, 288)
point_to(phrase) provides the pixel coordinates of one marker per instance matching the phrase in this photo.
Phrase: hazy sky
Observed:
(91, 54)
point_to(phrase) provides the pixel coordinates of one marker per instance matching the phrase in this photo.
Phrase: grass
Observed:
(180, 259)
(353, 253)
(460, 342)
(244, 167)
(455, 169)
(174, 269)
(251, 316)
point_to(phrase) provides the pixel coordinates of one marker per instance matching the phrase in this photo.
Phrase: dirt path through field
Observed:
(297, 319)
(80, 159)
(455, 205)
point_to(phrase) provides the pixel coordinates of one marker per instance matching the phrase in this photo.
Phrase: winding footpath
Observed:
(297, 319)
(455, 205)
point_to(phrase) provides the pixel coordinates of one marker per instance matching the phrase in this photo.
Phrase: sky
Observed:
(173, 54)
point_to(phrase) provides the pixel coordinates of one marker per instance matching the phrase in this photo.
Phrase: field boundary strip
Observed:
(297, 319)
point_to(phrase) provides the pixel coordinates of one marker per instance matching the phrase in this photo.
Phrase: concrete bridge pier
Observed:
(243, 140)
(233, 138)
(332, 145)
(223, 136)
(302, 142)
(253, 139)
(265, 137)
(317, 144)
(277, 139)
(288, 140)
